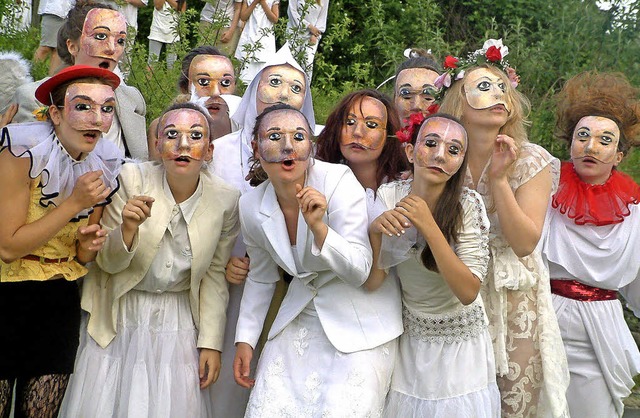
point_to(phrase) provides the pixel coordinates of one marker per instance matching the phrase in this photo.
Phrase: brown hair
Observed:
(422, 59)
(191, 106)
(448, 211)
(392, 161)
(516, 126)
(58, 93)
(608, 95)
(183, 80)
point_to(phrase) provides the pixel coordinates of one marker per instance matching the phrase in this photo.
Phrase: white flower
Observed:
(504, 51)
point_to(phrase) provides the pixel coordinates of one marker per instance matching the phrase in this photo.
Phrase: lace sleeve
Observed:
(473, 237)
(533, 159)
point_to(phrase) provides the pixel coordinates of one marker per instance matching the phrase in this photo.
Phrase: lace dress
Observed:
(445, 365)
(530, 360)
(592, 236)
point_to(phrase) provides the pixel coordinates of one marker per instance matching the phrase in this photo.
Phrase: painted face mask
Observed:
(104, 36)
(595, 137)
(183, 134)
(484, 89)
(211, 76)
(280, 84)
(89, 106)
(284, 136)
(414, 91)
(366, 124)
(441, 145)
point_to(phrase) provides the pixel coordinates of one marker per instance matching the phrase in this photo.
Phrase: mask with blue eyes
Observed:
(484, 90)
(284, 136)
(89, 106)
(184, 134)
(104, 34)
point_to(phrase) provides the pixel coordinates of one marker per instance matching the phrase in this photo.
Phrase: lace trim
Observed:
(482, 224)
(597, 204)
(461, 325)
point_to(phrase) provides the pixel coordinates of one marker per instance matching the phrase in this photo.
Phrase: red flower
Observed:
(433, 108)
(416, 119)
(404, 135)
(451, 62)
(493, 54)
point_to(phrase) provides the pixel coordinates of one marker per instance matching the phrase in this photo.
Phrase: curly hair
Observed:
(392, 161)
(608, 95)
(516, 126)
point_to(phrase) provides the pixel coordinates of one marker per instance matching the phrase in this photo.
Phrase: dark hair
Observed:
(183, 80)
(58, 93)
(392, 161)
(72, 27)
(448, 211)
(257, 175)
(191, 106)
(422, 60)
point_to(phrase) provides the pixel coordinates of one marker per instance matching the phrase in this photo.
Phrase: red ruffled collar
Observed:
(599, 204)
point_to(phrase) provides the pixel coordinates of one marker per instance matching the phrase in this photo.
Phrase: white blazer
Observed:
(212, 231)
(353, 318)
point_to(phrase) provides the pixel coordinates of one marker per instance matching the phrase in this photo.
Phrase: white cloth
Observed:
(164, 25)
(222, 11)
(59, 8)
(298, 23)
(445, 365)
(150, 369)
(602, 354)
(517, 298)
(258, 28)
(58, 170)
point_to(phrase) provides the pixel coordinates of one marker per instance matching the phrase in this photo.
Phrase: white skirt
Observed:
(150, 369)
(444, 379)
(301, 374)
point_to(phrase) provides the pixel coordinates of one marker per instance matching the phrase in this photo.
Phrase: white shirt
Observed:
(129, 11)
(222, 11)
(59, 8)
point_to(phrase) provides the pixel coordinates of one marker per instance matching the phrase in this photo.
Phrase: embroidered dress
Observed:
(530, 359)
(592, 236)
(445, 365)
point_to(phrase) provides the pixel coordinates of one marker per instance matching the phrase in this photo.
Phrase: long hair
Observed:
(448, 210)
(516, 126)
(392, 161)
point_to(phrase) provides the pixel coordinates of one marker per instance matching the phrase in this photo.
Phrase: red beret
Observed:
(43, 92)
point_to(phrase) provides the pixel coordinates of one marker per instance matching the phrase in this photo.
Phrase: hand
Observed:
(313, 205)
(91, 237)
(504, 155)
(237, 270)
(314, 31)
(7, 117)
(89, 190)
(226, 36)
(136, 211)
(242, 365)
(209, 369)
(390, 223)
(417, 211)
(313, 40)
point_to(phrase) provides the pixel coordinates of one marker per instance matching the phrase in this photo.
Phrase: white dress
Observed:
(445, 365)
(531, 363)
(603, 356)
(150, 369)
(297, 27)
(164, 25)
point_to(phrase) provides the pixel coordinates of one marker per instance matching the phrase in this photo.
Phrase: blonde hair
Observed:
(516, 126)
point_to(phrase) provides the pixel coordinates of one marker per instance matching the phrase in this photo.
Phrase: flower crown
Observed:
(492, 52)
(415, 120)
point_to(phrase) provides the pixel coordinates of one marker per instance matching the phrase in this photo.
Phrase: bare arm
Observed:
(159, 4)
(136, 3)
(247, 9)
(272, 13)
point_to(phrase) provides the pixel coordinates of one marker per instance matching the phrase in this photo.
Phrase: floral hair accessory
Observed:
(404, 135)
(41, 114)
(492, 52)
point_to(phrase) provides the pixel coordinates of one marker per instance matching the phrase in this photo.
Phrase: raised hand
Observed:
(391, 223)
(416, 210)
(505, 153)
(313, 205)
(136, 211)
(91, 237)
(89, 190)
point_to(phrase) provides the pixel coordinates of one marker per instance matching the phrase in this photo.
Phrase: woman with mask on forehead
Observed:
(360, 133)
(157, 295)
(591, 241)
(414, 91)
(56, 176)
(515, 179)
(433, 232)
(95, 35)
(330, 350)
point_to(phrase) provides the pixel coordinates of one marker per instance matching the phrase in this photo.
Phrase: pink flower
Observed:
(443, 80)
(513, 77)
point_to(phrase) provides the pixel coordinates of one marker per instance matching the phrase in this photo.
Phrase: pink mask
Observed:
(89, 106)
(441, 145)
(104, 35)
(212, 75)
(280, 84)
(366, 124)
(283, 136)
(183, 133)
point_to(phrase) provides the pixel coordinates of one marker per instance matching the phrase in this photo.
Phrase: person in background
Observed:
(307, 22)
(220, 25)
(53, 14)
(414, 91)
(164, 29)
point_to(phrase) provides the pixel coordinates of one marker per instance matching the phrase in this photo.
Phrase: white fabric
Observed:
(445, 362)
(316, 15)
(59, 8)
(164, 25)
(302, 375)
(258, 28)
(149, 370)
(14, 71)
(353, 318)
(223, 9)
(170, 269)
(60, 171)
(530, 358)
(602, 354)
